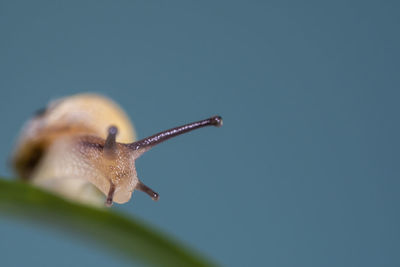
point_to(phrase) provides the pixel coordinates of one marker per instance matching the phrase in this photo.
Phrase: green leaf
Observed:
(124, 236)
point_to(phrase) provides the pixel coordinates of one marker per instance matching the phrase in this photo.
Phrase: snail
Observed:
(83, 147)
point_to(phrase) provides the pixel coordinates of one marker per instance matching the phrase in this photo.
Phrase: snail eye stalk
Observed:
(110, 146)
(148, 142)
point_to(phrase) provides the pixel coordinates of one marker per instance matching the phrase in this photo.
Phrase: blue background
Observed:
(305, 170)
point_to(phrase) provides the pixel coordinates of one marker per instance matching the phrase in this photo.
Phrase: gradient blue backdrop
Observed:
(305, 171)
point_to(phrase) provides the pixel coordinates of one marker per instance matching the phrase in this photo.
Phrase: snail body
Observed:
(83, 147)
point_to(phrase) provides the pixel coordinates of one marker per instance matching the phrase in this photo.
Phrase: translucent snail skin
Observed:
(83, 147)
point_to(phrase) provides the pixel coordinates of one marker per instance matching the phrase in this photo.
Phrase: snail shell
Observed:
(48, 152)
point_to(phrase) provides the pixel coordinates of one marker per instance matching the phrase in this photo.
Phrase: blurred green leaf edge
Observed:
(116, 233)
